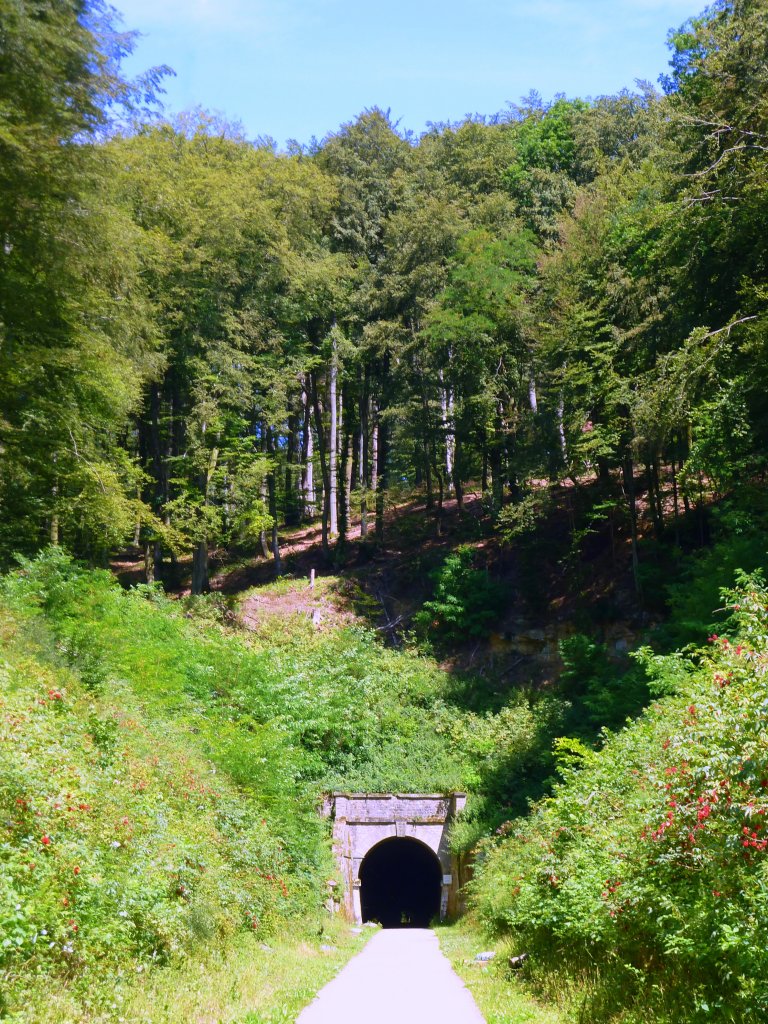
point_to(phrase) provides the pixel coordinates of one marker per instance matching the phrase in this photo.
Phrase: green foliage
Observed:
(123, 847)
(523, 518)
(466, 600)
(602, 693)
(71, 317)
(199, 756)
(649, 859)
(693, 597)
(723, 446)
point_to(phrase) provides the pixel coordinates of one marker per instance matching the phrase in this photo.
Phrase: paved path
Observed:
(400, 977)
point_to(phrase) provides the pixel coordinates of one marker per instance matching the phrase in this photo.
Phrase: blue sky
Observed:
(298, 68)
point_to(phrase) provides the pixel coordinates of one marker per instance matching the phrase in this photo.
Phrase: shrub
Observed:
(649, 861)
(466, 600)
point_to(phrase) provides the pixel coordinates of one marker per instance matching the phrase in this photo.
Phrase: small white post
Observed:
(312, 579)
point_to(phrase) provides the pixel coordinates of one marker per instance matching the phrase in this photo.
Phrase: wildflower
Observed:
(46, 840)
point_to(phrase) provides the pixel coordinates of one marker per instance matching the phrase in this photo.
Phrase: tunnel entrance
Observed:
(400, 881)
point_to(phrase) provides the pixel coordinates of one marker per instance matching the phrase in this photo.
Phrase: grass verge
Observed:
(499, 994)
(248, 982)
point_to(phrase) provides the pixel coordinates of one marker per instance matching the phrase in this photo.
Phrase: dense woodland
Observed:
(204, 338)
(557, 314)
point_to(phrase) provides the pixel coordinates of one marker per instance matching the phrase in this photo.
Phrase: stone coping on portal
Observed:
(375, 807)
(391, 796)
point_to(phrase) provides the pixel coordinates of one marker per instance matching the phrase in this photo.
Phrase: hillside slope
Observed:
(643, 880)
(160, 773)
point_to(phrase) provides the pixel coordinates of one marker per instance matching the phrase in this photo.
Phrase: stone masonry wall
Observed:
(362, 820)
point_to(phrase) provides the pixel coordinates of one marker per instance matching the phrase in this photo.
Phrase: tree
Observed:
(72, 325)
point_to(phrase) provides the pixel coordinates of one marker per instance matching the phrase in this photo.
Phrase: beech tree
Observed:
(203, 340)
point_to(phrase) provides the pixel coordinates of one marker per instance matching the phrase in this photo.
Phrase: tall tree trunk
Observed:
(458, 487)
(382, 473)
(430, 500)
(701, 512)
(561, 429)
(308, 498)
(686, 452)
(375, 450)
(675, 497)
(496, 462)
(653, 505)
(149, 562)
(137, 527)
(54, 512)
(446, 408)
(363, 459)
(629, 491)
(347, 469)
(292, 501)
(321, 447)
(437, 467)
(272, 491)
(158, 472)
(353, 429)
(483, 445)
(200, 579)
(345, 479)
(264, 495)
(201, 583)
(333, 444)
(532, 399)
(658, 492)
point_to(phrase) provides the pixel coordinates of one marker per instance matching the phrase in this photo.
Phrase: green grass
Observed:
(498, 991)
(243, 982)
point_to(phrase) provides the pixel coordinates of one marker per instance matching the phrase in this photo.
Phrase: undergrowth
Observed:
(642, 883)
(160, 773)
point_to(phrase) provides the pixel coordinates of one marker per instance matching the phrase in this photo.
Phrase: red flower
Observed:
(46, 840)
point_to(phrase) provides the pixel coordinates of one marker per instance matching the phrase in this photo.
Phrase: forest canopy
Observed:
(202, 338)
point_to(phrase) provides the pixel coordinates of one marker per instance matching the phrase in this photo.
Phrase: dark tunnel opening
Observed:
(400, 882)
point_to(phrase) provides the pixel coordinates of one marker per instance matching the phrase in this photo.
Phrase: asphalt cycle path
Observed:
(399, 977)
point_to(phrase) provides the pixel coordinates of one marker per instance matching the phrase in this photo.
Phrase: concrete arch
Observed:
(363, 820)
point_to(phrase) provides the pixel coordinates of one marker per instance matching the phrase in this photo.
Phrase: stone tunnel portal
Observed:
(400, 884)
(393, 856)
